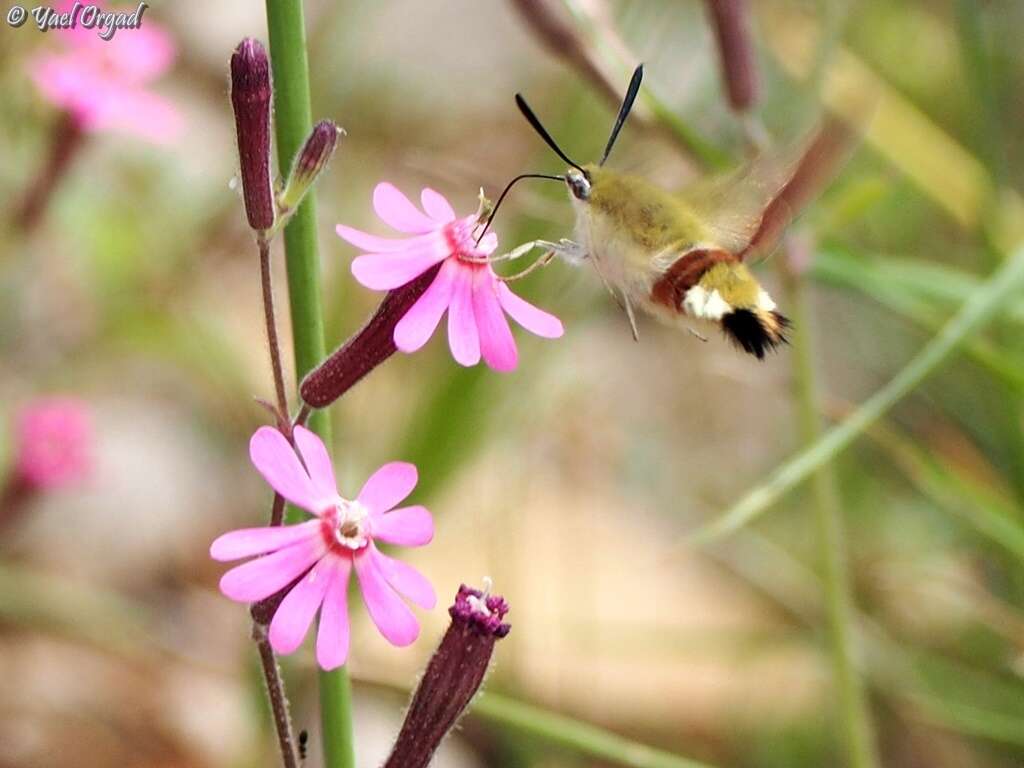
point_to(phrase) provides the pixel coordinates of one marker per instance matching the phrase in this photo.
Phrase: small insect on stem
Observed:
(303, 743)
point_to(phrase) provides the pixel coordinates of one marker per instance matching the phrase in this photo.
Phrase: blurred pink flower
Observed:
(475, 298)
(103, 84)
(53, 443)
(321, 553)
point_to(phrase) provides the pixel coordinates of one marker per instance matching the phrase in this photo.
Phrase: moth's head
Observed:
(729, 294)
(578, 180)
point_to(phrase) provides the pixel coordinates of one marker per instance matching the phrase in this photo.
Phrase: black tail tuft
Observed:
(755, 332)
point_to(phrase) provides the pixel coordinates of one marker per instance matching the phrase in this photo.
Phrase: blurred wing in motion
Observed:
(749, 209)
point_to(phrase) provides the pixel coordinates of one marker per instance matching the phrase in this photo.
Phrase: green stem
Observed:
(979, 308)
(853, 710)
(293, 122)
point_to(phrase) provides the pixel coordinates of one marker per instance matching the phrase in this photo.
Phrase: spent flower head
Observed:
(315, 559)
(452, 677)
(465, 286)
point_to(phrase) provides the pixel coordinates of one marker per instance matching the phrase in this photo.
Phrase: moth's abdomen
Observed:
(713, 284)
(686, 272)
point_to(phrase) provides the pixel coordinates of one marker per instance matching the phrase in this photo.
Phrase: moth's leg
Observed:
(631, 316)
(515, 253)
(543, 261)
(698, 334)
(569, 250)
(604, 281)
(622, 301)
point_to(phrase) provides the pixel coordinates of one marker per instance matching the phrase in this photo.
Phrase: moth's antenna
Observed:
(627, 105)
(532, 120)
(505, 191)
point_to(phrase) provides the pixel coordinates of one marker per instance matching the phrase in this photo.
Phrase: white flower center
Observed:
(348, 521)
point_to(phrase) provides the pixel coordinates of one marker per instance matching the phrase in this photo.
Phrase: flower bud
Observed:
(730, 19)
(250, 100)
(370, 347)
(308, 163)
(452, 677)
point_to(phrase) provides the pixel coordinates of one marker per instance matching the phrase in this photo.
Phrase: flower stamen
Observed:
(344, 524)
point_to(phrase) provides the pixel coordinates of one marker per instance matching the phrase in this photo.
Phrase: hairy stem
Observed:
(293, 122)
(273, 343)
(278, 700)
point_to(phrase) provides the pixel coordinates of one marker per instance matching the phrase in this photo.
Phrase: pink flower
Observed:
(53, 441)
(103, 84)
(321, 553)
(474, 296)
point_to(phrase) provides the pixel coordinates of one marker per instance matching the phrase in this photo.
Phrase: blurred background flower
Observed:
(53, 443)
(105, 84)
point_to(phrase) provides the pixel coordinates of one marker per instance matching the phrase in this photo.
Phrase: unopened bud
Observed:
(730, 19)
(453, 676)
(309, 163)
(370, 347)
(250, 100)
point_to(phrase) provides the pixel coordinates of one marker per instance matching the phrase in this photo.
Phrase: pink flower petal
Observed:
(407, 580)
(264, 576)
(396, 210)
(406, 527)
(436, 206)
(388, 486)
(318, 463)
(333, 635)
(392, 617)
(384, 271)
(292, 619)
(419, 323)
(496, 342)
(462, 332)
(487, 244)
(247, 542)
(535, 320)
(273, 456)
(375, 244)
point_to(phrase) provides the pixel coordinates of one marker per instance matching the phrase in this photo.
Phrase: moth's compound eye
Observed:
(578, 183)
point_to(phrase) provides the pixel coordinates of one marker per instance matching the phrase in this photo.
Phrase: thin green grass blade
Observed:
(975, 313)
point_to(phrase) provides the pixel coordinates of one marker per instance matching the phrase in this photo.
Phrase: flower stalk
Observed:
(293, 122)
(277, 697)
(273, 342)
